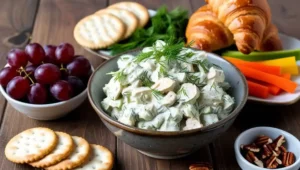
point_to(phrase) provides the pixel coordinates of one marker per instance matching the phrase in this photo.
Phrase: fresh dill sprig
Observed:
(194, 79)
(146, 81)
(143, 56)
(182, 91)
(157, 94)
(118, 75)
(170, 52)
(204, 64)
(144, 78)
(189, 45)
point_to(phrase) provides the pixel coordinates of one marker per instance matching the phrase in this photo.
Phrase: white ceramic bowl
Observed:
(46, 111)
(292, 144)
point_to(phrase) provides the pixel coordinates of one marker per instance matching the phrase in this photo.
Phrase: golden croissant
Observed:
(207, 32)
(223, 22)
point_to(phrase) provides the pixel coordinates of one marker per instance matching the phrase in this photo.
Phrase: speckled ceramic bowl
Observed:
(167, 145)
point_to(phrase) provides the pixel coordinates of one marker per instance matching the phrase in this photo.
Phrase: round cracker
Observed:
(31, 145)
(127, 17)
(139, 11)
(63, 149)
(99, 31)
(79, 155)
(100, 159)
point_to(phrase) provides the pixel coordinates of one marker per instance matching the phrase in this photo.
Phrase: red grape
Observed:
(7, 74)
(37, 94)
(35, 52)
(17, 58)
(61, 90)
(47, 73)
(79, 67)
(64, 53)
(30, 69)
(18, 87)
(76, 83)
(50, 54)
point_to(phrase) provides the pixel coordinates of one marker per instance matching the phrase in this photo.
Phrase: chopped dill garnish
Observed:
(189, 45)
(163, 69)
(191, 78)
(203, 64)
(118, 75)
(143, 56)
(182, 91)
(144, 78)
(146, 81)
(157, 94)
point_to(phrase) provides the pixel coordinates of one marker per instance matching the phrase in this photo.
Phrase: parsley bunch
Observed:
(163, 26)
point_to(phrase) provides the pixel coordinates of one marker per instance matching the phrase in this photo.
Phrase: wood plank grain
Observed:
(285, 15)
(54, 24)
(128, 157)
(16, 23)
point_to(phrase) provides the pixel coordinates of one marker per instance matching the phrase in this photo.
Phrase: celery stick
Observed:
(258, 56)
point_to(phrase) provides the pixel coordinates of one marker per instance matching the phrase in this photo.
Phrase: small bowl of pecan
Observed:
(263, 148)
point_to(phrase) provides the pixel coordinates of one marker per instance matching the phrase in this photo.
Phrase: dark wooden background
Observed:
(52, 22)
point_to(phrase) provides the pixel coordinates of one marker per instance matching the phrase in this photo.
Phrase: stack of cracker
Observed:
(110, 25)
(43, 148)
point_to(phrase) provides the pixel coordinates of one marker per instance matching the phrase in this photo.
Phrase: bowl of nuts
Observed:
(263, 148)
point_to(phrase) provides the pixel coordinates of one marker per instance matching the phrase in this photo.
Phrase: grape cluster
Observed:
(55, 73)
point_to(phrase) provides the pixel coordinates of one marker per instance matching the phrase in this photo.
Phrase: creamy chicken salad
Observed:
(167, 88)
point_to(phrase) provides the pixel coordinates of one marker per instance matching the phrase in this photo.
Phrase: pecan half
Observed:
(201, 166)
(288, 158)
(251, 147)
(269, 163)
(253, 159)
(275, 165)
(262, 140)
(278, 142)
(267, 151)
(282, 149)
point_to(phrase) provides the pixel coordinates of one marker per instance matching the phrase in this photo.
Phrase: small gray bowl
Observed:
(167, 145)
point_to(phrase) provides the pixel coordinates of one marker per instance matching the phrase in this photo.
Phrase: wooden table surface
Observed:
(52, 22)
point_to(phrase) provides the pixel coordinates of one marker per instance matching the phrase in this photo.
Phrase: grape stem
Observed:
(62, 68)
(26, 74)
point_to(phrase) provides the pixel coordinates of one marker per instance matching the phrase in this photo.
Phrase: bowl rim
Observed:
(250, 165)
(107, 118)
(10, 99)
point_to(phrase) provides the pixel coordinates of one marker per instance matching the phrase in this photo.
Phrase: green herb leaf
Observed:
(162, 26)
(144, 78)
(118, 75)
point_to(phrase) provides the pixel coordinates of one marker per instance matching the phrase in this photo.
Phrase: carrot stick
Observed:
(274, 90)
(276, 70)
(257, 90)
(278, 81)
(286, 76)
